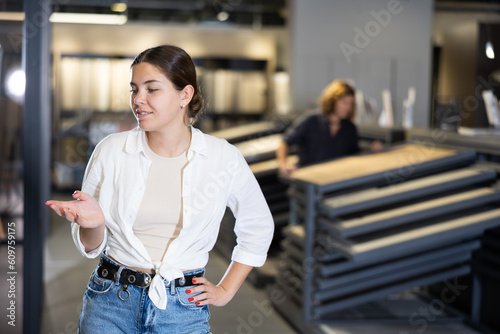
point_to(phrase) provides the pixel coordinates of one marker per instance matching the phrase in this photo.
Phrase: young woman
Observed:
(326, 135)
(151, 204)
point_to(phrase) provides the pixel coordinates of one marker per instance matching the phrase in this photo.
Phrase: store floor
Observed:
(67, 272)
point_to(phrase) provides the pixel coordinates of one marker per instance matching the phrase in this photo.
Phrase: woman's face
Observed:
(154, 100)
(344, 106)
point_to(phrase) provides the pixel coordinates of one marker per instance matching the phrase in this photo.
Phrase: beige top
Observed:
(159, 219)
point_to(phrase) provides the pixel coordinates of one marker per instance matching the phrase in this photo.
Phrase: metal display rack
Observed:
(356, 237)
(486, 264)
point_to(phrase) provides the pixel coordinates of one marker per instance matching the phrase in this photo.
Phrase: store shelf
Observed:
(410, 213)
(404, 192)
(374, 225)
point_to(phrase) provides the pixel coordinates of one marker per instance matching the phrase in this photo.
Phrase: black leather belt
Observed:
(140, 279)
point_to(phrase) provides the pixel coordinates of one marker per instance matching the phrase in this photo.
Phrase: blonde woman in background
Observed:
(325, 134)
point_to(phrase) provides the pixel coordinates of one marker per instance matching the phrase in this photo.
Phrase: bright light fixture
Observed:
(490, 53)
(15, 85)
(222, 16)
(85, 18)
(119, 7)
(11, 16)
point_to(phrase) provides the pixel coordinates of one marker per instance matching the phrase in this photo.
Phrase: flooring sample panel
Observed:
(260, 149)
(270, 166)
(244, 132)
(365, 296)
(421, 239)
(291, 251)
(390, 277)
(395, 164)
(424, 186)
(409, 213)
(295, 234)
(346, 271)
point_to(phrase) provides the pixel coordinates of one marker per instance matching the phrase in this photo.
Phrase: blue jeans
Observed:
(104, 312)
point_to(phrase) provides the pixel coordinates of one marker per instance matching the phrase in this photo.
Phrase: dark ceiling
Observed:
(260, 13)
(240, 12)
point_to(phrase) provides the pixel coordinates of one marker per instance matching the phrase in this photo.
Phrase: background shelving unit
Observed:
(236, 91)
(358, 237)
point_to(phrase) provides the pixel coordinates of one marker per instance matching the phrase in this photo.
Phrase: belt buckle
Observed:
(147, 279)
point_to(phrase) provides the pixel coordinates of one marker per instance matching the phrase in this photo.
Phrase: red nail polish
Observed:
(197, 303)
(194, 281)
(188, 291)
(191, 299)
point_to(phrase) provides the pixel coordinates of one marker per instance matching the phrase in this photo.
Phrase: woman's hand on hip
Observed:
(84, 210)
(210, 294)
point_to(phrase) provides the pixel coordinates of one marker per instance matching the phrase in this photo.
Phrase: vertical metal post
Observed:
(36, 154)
(309, 262)
(477, 293)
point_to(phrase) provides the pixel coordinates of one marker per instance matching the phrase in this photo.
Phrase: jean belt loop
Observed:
(118, 274)
(172, 287)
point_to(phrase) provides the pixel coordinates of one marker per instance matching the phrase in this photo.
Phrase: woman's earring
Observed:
(182, 107)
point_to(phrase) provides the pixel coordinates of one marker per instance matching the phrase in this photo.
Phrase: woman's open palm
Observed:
(84, 210)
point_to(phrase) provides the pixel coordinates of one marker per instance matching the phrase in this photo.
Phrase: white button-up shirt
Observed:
(216, 176)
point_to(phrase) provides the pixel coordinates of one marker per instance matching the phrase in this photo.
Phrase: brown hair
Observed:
(179, 68)
(333, 92)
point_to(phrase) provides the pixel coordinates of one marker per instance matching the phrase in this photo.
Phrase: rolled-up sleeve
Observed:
(254, 226)
(75, 232)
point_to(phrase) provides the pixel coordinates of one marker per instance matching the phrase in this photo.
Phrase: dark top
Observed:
(311, 135)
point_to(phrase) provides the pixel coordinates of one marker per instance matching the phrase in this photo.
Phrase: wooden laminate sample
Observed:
(243, 131)
(259, 149)
(356, 166)
(461, 228)
(410, 213)
(271, 165)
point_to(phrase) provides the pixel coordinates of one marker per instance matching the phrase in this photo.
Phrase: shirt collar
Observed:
(134, 142)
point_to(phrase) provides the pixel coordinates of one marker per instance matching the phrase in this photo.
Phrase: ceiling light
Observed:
(490, 53)
(119, 7)
(85, 18)
(11, 16)
(16, 84)
(222, 16)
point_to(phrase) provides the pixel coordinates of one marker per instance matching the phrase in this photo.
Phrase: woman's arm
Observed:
(281, 154)
(86, 212)
(222, 293)
(254, 227)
